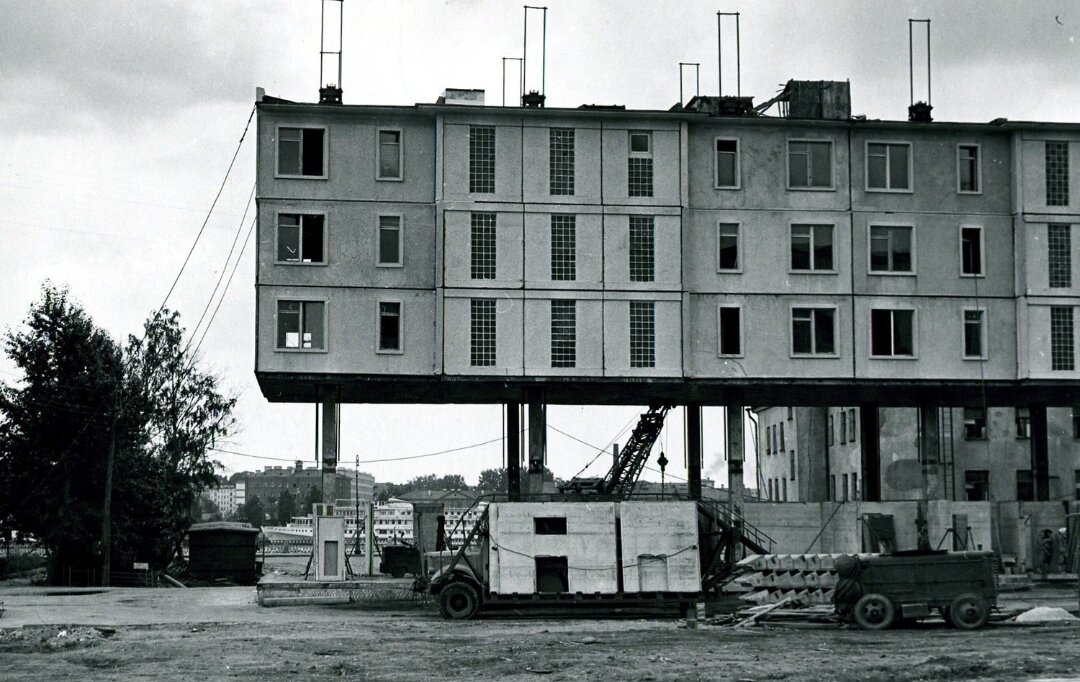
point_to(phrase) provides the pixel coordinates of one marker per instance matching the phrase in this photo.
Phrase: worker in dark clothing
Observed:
(1046, 554)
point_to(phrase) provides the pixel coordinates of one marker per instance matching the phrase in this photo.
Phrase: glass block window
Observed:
(1061, 339)
(891, 248)
(642, 248)
(974, 333)
(482, 246)
(561, 161)
(563, 248)
(640, 165)
(1057, 173)
(642, 334)
(813, 332)
(727, 246)
(1059, 256)
(482, 332)
(481, 160)
(563, 333)
(892, 333)
(811, 247)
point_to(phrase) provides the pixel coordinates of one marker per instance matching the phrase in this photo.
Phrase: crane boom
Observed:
(623, 475)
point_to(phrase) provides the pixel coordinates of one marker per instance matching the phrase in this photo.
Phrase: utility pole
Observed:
(106, 507)
(356, 501)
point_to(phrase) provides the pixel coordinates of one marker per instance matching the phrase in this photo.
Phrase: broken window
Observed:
(729, 332)
(301, 325)
(389, 161)
(810, 164)
(549, 525)
(727, 164)
(967, 168)
(301, 238)
(727, 246)
(300, 151)
(891, 248)
(977, 485)
(888, 166)
(390, 326)
(552, 574)
(811, 247)
(974, 423)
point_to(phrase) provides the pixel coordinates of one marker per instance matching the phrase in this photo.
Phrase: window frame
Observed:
(982, 332)
(813, 321)
(630, 333)
(978, 168)
(401, 154)
(1022, 424)
(630, 153)
(551, 333)
(326, 323)
(400, 350)
(325, 237)
(720, 332)
(738, 248)
(378, 240)
(870, 249)
(888, 175)
(982, 250)
(738, 163)
(831, 187)
(325, 152)
(892, 326)
(812, 270)
(984, 430)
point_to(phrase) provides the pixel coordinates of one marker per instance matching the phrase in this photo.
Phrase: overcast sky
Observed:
(118, 121)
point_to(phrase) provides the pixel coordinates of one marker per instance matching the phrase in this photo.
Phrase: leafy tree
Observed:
(311, 498)
(253, 511)
(492, 480)
(286, 507)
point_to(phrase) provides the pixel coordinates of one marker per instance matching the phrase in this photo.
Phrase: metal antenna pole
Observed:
(341, 44)
(738, 59)
(524, 48)
(719, 57)
(543, 56)
(929, 90)
(911, 65)
(322, 40)
(720, 53)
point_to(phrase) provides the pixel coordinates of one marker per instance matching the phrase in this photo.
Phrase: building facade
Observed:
(268, 484)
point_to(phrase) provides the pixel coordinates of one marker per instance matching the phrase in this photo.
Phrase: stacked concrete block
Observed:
(806, 578)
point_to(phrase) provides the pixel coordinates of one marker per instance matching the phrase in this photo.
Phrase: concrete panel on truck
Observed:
(659, 547)
(524, 532)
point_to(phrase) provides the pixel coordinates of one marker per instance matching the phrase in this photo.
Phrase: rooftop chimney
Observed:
(533, 100)
(329, 94)
(299, 465)
(919, 113)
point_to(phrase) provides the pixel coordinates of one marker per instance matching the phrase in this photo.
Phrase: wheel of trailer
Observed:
(874, 612)
(458, 601)
(969, 612)
(398, 571)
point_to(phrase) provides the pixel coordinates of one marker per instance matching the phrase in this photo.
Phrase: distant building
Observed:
(223, 497)
(268, 484)
(460, 509)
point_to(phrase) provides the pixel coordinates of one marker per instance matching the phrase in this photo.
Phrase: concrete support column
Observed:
(735, 447)
(693, 450)
(537, 446)
(513, 451)
(1040, 452)
(331, 435)
(870, 446)
(930, 451)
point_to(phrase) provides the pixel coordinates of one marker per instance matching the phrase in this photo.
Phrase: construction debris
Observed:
(1045, 614)
(808, 579)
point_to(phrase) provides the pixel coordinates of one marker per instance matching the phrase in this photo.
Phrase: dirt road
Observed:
(222, 634)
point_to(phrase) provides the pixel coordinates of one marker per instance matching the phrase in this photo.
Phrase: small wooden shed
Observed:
(223, 549)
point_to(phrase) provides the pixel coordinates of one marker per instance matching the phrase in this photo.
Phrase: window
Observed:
(1061, 338)
(1025, 485)
(1023, 423)
(832, 488)
(843, 427)
(851, 424)
(891, 248)
(727, 164)
(1059, 255)
(561, 161)
(389, 161)
(301, 152)
(888, 166)
(640, 165)
(1076, 484)
(301, 325)
(563, 333)
(301, 238)
(811, 247)
(389, 240)
(790, 413)
(642, 334)
(784, 484)
(810, 164)
(390, 326)
(832, 430)
(727, 246)
(768, 441)
(854, 486)
(813, 331)
(775, 440)
(977, 485)
(1057, 173)
(782, 446)
(563, 248)
(892, 333)
(975, 334)
(974, 423)
(791, 460)
(642, 248)
(845, 487)
(968, 178)
(729, 332)
(481, 160)
(549, 525)
(971, 252)
(482, 246)
(482, 332)
(1076, 422)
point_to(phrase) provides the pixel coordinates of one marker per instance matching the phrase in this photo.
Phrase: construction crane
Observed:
(623, 475)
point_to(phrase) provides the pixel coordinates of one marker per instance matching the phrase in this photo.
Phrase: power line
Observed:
(370, 461)
(224, 291)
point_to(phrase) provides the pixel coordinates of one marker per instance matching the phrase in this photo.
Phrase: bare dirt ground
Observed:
(220, 633)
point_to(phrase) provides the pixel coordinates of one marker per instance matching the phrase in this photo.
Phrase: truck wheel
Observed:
(969, 612)
(874, 612)
(458, 601)
(398, 571)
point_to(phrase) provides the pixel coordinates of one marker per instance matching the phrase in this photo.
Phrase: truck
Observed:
(878, 591)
